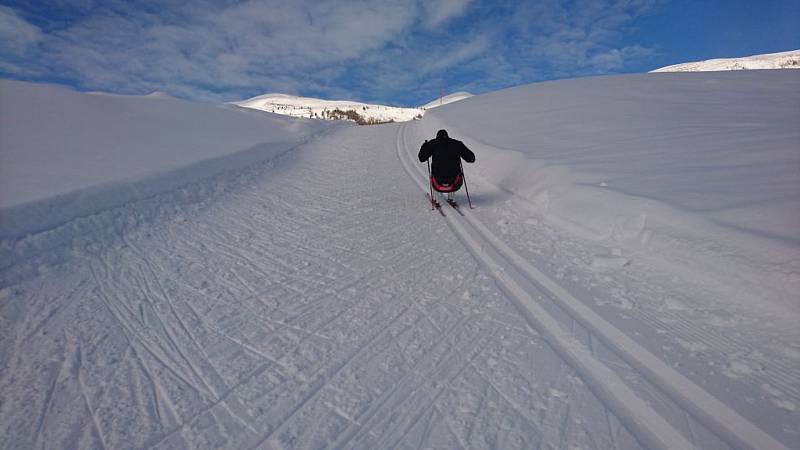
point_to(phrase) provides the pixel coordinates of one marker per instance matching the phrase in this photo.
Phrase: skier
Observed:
(446, 153)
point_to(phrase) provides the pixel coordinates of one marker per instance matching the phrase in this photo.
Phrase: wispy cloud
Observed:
(16, 35)
(375, 50)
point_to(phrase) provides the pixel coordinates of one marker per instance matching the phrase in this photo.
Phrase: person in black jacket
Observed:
(446, 154)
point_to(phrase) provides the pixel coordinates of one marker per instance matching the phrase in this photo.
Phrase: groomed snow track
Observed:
(512, 273)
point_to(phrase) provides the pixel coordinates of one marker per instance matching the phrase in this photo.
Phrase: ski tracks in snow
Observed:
(541, 300)
(316, 305)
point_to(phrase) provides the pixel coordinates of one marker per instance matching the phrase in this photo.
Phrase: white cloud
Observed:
(436, 12)
(16, 34)
(459, 53)
(373, 50)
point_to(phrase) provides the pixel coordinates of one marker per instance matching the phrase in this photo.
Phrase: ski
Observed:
(454, 205)
(436, 205)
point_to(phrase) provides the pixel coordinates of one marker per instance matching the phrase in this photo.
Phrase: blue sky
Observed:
(395, 52)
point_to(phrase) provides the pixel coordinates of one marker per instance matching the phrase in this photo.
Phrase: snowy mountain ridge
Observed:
(361, 113)
(782, 60)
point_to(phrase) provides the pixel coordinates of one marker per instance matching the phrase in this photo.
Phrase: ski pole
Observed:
(465, 183)
(430, 183)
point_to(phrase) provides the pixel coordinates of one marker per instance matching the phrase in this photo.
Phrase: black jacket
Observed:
(446, 153)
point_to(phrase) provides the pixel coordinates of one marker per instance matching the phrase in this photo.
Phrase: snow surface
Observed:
(666, 160)
(67, 154)
(451, 98)
(626, 280)
(782, 60)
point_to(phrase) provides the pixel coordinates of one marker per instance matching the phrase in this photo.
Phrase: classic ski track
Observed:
(645, 423)
(776, 372)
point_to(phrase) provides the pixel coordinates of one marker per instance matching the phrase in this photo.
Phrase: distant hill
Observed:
(454, 97)
(783, 60)
(361, 113)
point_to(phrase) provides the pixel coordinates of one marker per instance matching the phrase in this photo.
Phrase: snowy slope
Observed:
(783, 60)
(613, 287)
(666, 160)
(667, 204)
(363, 113)
(326, 109)
(67, 154)
(454, 97)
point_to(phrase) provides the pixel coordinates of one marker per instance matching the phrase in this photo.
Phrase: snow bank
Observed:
(65, 154)
(701, 168)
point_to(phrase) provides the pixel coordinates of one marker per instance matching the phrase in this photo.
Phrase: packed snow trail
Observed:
(314, 303)
(507, 266)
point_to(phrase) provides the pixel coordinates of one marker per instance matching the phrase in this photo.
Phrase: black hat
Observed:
(441, 134)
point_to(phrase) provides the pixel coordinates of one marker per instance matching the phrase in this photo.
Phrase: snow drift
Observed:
(65, 154)
(701, 167)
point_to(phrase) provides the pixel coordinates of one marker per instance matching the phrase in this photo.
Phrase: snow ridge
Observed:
(314, 108)
(782, 60)
(451, 98)
(361, 113)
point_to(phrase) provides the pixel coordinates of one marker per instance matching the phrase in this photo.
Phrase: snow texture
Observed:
(783, 60)
(626, 280)
(67, 154)
(450, 98)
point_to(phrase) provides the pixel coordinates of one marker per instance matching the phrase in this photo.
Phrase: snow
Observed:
(307, 107)
(67, 154)
(667, 161)
(321, 109)
(782, 60)
(450, 98)
(179, 275)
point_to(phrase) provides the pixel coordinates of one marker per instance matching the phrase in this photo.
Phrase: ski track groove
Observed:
(781, 379)
(322, 380)
(130, 334)
(82, 388)
(165, 298)
(359, 426)
(487, 381)
(611, 432)
(188, 421)
(478, 344)
(719, 418)
(48, 403)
